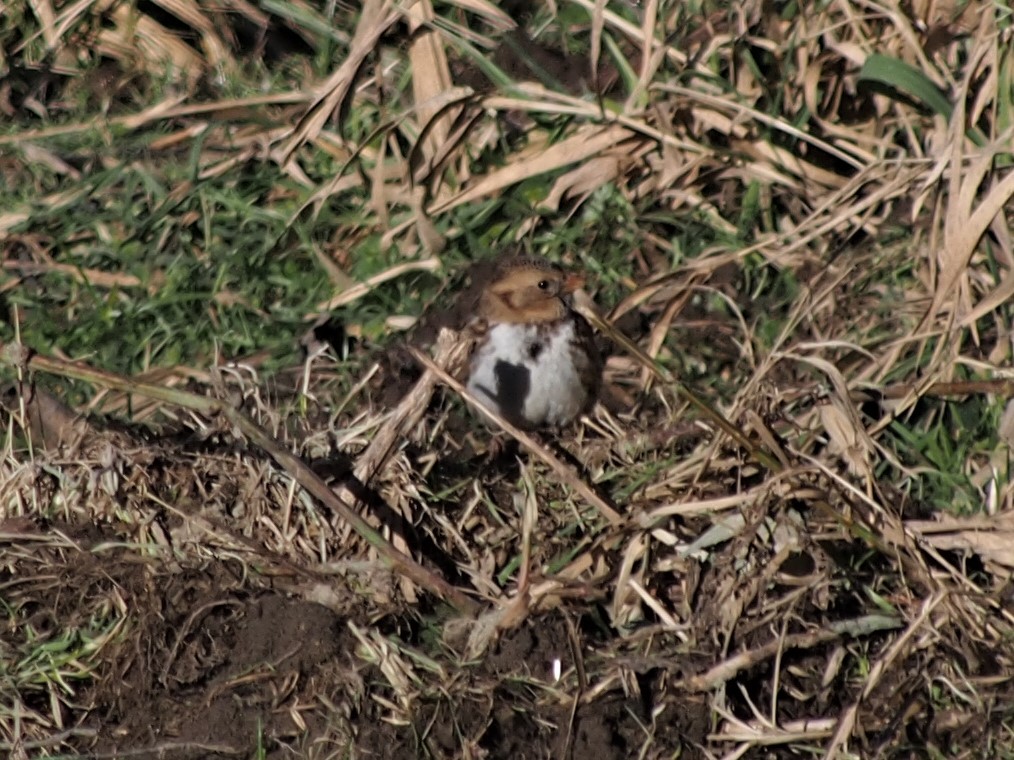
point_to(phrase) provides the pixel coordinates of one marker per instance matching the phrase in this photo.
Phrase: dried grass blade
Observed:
(47, 22)
(994, 300)
(214, 47)
(617, 22)
(361, 289)
(651, 55)
(964, 234)
(721, 104)
(135, 35)
(431, 76)
(496, 18)
(375, 19)
(451, 352)
(587, 142)
(91, 277)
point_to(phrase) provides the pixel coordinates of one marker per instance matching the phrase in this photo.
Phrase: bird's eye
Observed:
(543, 284)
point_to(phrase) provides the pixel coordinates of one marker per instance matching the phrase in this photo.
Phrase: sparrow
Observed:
(535, 362)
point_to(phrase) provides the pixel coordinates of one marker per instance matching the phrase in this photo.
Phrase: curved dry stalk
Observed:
(340, 501)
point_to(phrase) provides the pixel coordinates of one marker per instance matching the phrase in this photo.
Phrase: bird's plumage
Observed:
(535, 362)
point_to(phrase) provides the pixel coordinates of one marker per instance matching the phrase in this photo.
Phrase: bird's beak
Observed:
(573, 282)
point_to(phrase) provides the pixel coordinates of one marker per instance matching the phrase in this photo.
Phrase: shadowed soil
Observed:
(209, 664)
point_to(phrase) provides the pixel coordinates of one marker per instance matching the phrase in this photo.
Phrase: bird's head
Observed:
(528, 290)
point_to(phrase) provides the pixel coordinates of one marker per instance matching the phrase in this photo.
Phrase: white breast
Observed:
(529, 375)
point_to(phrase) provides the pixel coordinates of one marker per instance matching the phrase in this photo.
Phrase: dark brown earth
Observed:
(216, 659)
(210, 667)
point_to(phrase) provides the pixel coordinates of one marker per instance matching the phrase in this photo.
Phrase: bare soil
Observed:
(214, 666)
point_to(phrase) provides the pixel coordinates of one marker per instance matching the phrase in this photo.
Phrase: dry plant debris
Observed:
(785, 530)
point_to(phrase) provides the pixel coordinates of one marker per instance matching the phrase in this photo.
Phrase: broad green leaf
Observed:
(907, 79)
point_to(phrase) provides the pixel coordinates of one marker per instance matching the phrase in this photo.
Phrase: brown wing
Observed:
(587, 359)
